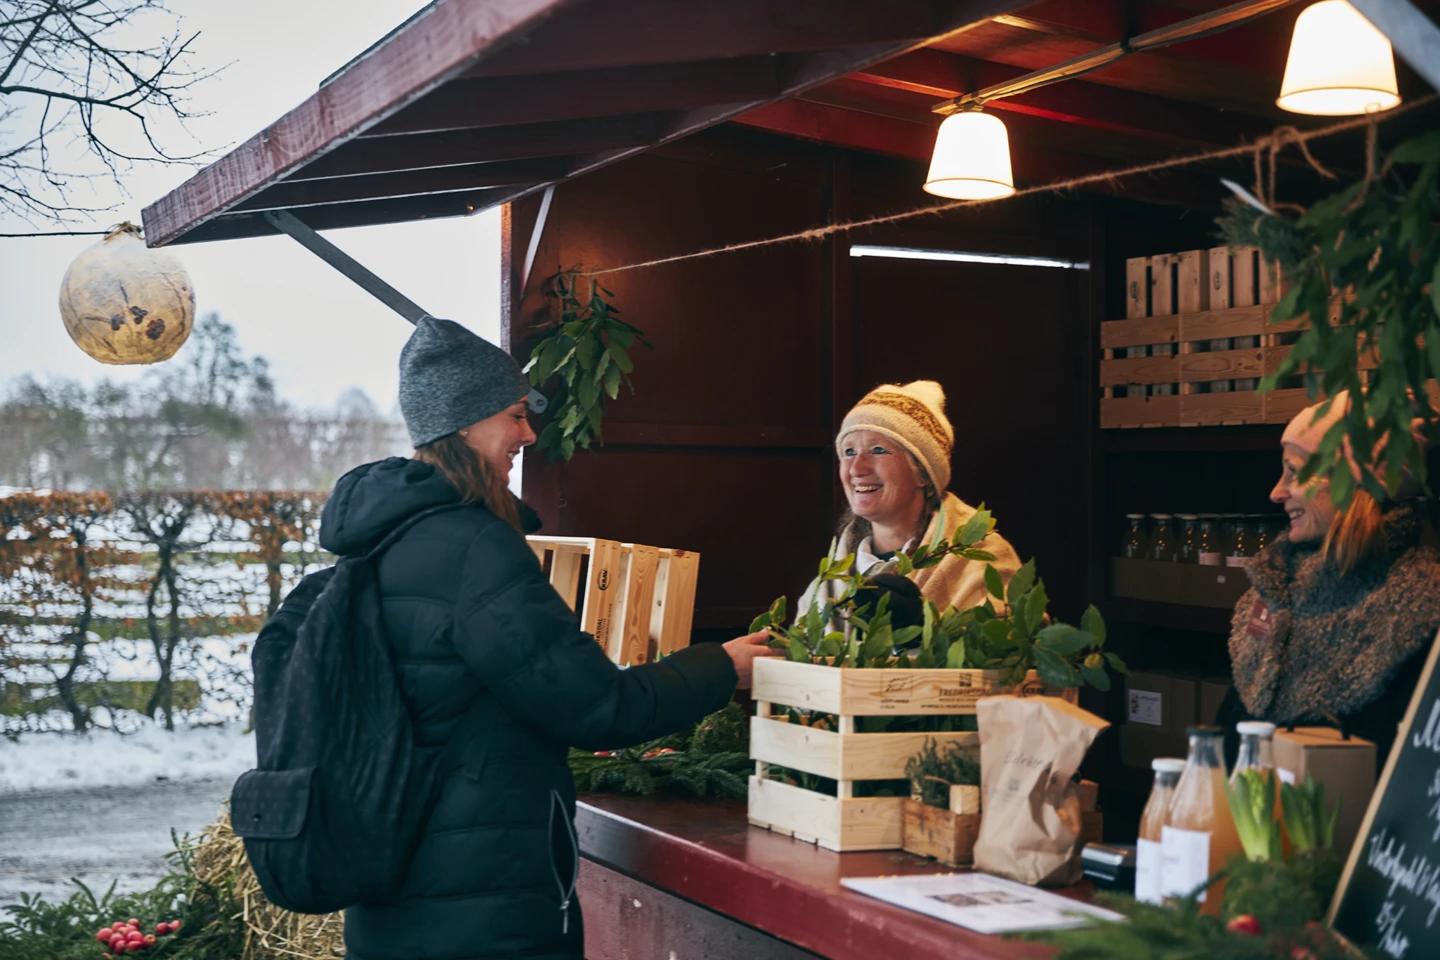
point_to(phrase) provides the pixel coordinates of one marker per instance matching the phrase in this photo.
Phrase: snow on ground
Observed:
(50, 761)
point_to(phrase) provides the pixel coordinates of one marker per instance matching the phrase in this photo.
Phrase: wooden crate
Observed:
(845, 822)
(931, 832)
(949, 835)
(638, 601)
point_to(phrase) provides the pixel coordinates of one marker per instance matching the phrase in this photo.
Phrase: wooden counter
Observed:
(671, 879)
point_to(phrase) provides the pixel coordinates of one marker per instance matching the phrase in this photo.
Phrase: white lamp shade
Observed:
(971, 159)
(1339, 64)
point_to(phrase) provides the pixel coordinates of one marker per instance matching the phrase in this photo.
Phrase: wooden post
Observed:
(1137, 288)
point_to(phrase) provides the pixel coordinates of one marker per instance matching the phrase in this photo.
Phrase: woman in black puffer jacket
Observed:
(471, 616)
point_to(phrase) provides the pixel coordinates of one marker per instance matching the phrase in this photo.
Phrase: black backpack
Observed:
(333, 813)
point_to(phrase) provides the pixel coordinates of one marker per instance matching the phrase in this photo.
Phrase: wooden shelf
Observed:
(1174, 616)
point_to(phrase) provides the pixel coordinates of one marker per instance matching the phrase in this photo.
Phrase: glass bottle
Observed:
(1162, 537)
(1257, 753)
(1152, 824)
(1199, 834)
(1264, 532)
(1188, 545)
(1211, 549)
(1133, 547)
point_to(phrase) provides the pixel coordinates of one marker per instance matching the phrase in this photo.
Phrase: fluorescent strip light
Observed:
(913, 253)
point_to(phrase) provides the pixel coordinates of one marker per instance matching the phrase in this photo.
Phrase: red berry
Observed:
(150, 939)
(1246, 924)
(118, 925)
(132, 922)
(118, 947)
(104, 935)
(1302, 953)
(162, 928)
(174, 925)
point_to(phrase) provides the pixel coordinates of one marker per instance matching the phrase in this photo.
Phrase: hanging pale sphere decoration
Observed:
(124, 303)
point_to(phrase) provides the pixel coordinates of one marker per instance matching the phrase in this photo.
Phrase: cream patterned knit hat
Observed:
(913, 415)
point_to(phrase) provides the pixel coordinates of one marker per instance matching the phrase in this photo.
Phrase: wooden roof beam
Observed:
(1034, 165)
(494, 102)
(607, 34)
(409, 183)
(525, 141)
(944, 76)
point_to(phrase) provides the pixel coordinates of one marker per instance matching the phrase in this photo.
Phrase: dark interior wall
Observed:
(726, 445)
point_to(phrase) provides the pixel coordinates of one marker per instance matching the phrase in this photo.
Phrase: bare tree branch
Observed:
(77, 101)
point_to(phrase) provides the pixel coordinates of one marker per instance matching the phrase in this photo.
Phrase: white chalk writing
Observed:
(1392, 941)
(1418, 877)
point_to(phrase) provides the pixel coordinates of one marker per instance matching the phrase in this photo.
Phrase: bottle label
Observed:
(1147, 871)
(1211, 560)
(1236, 561)
(1185, 861)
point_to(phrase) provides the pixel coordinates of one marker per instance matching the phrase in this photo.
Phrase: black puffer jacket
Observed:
(470, 614)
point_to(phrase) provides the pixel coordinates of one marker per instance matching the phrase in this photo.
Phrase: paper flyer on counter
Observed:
(980, 902)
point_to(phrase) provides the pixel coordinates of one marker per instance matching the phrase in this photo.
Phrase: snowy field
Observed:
(100, 807)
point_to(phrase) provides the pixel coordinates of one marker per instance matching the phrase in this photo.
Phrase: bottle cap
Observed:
(1188, 516)
(1159, 516)
(1167, 765)
(1134, 516)
(1204, 730)
(1255, 728)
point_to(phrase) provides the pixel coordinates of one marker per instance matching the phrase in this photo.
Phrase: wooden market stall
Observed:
(634, 130)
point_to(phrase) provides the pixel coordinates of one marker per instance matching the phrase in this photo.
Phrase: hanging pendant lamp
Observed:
(1339, 64)
(971, 159)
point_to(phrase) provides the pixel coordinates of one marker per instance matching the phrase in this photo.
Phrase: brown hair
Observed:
(1356, 533)
(472, 475)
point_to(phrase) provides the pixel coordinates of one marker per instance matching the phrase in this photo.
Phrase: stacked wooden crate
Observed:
(638, 601)
(1195, 342)
(843, 821)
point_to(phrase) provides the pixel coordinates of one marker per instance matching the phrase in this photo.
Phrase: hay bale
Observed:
(218, 859)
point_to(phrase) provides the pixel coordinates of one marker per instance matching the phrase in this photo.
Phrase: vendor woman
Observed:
(1343, 607)
(894, 449)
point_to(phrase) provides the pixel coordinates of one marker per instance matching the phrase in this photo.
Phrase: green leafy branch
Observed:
(1375, 241)
(713, 760)
(588, 351)
(1014, 637)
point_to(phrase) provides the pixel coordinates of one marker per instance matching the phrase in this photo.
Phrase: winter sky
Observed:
(320, 332)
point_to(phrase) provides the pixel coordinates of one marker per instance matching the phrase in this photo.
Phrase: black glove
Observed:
(907, 609)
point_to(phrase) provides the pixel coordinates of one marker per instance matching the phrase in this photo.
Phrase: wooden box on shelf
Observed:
(844, 821)
(638, 601)
(949, 835)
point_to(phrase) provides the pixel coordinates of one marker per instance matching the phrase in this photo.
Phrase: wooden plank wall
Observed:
(726, 446)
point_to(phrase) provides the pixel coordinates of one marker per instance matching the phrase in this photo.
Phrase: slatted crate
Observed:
(844, 821)
(638, 600)
(1195, 343)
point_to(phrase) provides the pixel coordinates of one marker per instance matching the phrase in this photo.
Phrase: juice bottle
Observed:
(1257, 753)
(1152, 822)
(1199, 834)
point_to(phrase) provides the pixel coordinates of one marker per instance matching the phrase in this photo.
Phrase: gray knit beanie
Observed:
(450, 378)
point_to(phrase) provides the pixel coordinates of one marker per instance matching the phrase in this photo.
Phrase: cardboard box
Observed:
(1346, 767)
(1160, 700)
(1212, 694)
(1139, 744)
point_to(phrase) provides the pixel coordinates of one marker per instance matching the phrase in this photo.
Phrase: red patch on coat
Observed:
(1261, 627)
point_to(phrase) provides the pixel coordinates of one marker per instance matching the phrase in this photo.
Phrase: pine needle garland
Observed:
(712, 760)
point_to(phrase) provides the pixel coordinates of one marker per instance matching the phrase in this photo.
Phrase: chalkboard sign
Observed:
(1389, 894)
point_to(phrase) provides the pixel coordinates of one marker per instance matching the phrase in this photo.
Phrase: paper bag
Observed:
(1032, 824)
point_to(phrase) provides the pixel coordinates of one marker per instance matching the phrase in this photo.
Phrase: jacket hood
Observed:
(375, 498)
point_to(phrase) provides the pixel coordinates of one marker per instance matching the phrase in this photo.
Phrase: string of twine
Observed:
(1271, 145)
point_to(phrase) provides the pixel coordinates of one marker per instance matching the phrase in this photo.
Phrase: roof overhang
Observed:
(473, 103)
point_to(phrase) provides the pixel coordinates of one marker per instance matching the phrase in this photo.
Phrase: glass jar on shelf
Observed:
(1162, 537)
(1187, 541)
(1136, 539)
(1212, 547)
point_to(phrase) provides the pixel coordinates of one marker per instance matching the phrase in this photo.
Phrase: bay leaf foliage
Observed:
(1010, 631)
(1363, 266)
(588, 354)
